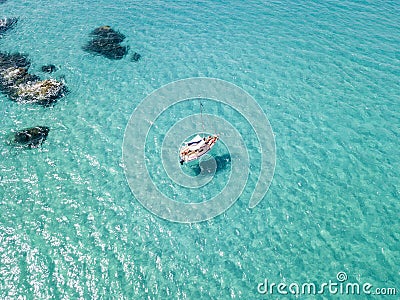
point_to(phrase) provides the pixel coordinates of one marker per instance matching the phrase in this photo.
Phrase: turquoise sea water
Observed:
(326, 74)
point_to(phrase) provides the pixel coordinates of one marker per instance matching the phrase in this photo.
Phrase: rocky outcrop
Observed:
(49, 68)
(6, 24)
(21, 86)
(31, 137)
(42, 92)
(107, 42)
(13, 60)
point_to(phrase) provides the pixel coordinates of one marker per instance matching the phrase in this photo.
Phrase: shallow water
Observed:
(326, 74)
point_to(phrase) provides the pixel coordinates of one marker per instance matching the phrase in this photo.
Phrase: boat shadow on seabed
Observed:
(222, 161)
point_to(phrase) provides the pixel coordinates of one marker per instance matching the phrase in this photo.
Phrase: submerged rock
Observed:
(31, 137)
(8, 60)
(12, 78)
(21, 86)
(49, 68)
(106, 41)
(108, 33)
(43, 92)
(135, 56)
(104, 47)
(16, 76)
(6, 24)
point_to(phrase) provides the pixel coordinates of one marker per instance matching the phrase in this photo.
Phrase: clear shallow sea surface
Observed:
(326, 74)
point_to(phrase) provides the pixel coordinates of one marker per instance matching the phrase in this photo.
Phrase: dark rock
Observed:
(106, 41)
(135, 57)
(31, 137)
(3, 1)
(49, 68)
(108, 33)
(6, 24)
(44, 92)
(106, 48)
(21, 86)
(12, 78)
(16, 60)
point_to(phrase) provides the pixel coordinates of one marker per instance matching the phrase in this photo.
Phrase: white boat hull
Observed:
(196, 148)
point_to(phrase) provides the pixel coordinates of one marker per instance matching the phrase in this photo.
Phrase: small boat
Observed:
(196, 148)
